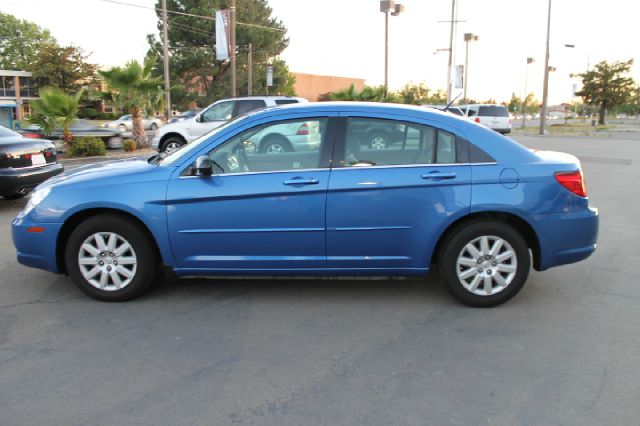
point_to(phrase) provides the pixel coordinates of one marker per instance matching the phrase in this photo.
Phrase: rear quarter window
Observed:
(493, 111)
(286, 101)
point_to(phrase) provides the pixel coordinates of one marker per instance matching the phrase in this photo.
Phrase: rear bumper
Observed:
(36, 249)
(23, 180)
(566, 237)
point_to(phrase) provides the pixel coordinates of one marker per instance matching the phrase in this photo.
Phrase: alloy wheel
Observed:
(107, 261)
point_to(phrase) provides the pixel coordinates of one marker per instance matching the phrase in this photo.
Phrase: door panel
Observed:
(249, 221)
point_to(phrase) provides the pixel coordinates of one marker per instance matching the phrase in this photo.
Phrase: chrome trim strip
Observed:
(247, 230)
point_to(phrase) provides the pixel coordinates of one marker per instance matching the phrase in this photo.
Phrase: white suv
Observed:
(495, 117)
(173, 135)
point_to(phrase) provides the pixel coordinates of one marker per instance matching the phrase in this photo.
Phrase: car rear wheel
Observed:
(171, 144)
(484, 263)
(378, 142)
(276, 145)
(110, 258)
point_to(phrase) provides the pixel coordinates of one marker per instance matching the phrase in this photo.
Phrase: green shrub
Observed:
(129, 145)
(91, 113)
(86, 147)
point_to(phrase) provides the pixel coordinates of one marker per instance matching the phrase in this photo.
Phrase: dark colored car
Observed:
(85, 128)
(24, 163)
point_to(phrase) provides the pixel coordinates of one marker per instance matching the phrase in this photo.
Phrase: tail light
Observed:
(304, 129)
(509, 122)
(31, 135)
(573, 181)
(477, 120)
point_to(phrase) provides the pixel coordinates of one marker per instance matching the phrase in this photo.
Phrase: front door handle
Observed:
(300, 181)
(438, 175)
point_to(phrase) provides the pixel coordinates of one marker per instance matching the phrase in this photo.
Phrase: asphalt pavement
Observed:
(565, 351)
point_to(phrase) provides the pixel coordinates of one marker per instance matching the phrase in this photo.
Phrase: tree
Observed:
(20, 42)
(192, 62)
(55, 109)
(134, 88)
(63, 67)
(607, 86)
(420, 94)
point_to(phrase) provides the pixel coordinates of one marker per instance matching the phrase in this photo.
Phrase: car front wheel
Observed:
(172, 144)
(484, 263)
(110, 258)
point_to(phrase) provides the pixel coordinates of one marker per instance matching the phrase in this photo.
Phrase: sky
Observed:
(346, 38)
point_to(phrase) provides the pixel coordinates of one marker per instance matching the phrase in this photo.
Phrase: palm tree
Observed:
(135, 89)
(55, 109)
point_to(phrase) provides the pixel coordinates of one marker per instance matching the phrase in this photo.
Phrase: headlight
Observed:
(36, 198)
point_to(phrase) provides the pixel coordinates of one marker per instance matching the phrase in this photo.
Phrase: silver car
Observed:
(287, 137)
(125, 123)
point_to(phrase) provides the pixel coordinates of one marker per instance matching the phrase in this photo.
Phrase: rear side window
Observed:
(378, 142)
(286, 101)
(493, 111)
(246, 105)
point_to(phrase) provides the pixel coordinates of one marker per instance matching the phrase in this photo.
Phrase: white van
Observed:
(173, 135)
(495, 117)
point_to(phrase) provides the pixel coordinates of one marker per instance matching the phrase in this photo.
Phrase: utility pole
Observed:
(450, 64)
(545, 87)
(165, 50)
(468, 37)
(232, 18)
(250, 71)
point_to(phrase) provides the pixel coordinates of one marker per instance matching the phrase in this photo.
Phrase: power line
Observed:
(175, 12)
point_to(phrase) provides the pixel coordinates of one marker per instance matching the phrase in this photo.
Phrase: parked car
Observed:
(286, 137)
(495, 117)
(474, 202)
(125, 123)
(24, 163)
(184, 115)
(85, 128)
(174, 135)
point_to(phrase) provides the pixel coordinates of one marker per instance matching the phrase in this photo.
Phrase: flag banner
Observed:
(222, 35)
(459, 83)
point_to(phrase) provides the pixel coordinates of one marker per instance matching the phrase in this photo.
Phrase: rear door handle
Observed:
(438, 175)
(299, 181)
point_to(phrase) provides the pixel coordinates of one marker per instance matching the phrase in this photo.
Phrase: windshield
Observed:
(178, 155)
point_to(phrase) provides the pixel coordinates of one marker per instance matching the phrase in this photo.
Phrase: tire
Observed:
(378, 142)
(111, 281)
(154, 126)
(275, 145)
(465, 276)
(171, 144)
(14, 196)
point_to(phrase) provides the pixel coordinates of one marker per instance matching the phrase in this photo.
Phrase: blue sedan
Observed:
(447, 192)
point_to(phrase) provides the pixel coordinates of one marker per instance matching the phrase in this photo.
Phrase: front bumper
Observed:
(566, 237)
(36, 249)
(22, 180)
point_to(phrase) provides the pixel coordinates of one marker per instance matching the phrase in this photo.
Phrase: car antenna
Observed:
(452, 101)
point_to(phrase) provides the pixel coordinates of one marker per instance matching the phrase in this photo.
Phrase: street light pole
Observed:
(545, 87)
(468, 37)
(165, 60)
(386, 7)
(450, 63)
(232, 18)
(524, 98)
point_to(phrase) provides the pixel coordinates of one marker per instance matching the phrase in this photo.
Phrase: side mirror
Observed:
(204, 166)
(198, 118)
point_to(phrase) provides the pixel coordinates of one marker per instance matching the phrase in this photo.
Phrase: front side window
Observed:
(278, 146)
(218, 112)
(377, 142)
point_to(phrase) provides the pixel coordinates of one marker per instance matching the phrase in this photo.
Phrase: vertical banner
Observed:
(222, 35)
(269, 75)
(459, 83)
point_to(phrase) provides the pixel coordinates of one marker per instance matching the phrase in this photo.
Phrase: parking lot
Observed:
(564, 351)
